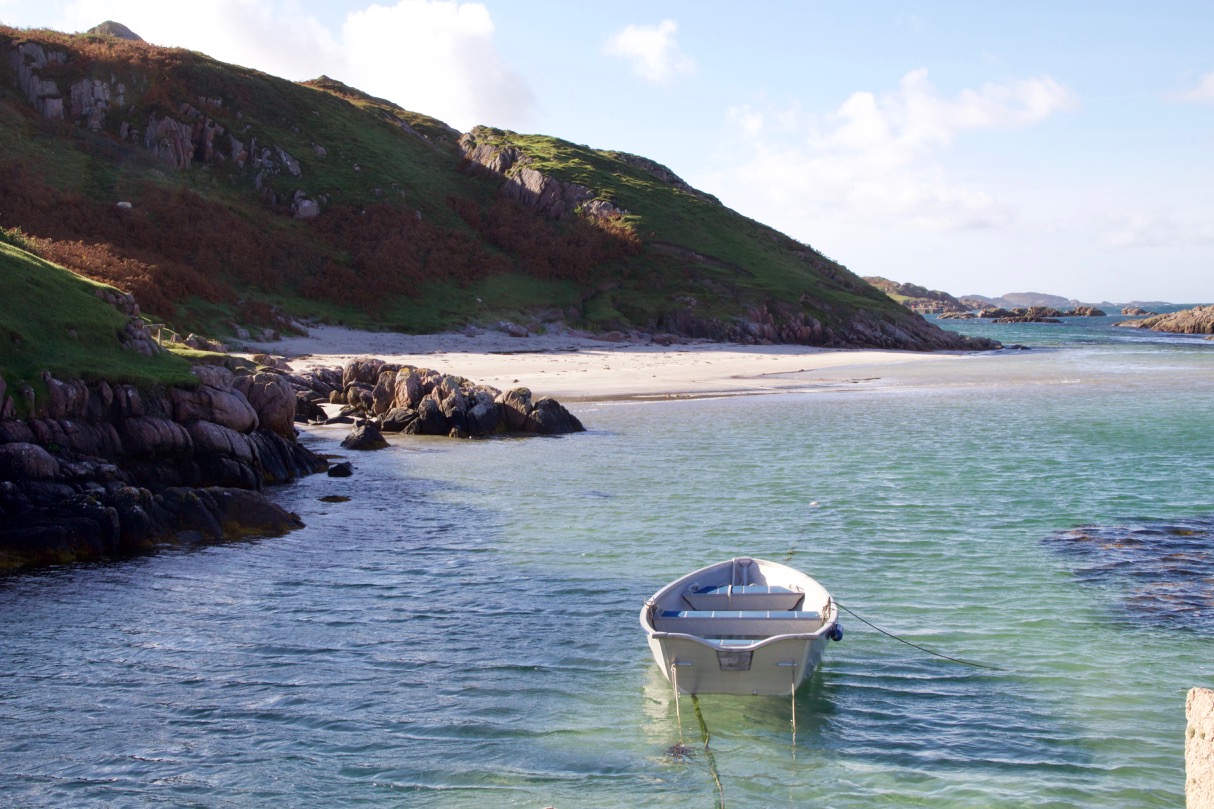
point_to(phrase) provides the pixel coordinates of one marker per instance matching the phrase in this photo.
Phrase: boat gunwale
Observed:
(830, 615)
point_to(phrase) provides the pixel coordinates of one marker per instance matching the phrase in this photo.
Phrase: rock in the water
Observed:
(341, 470)
(549, 417)
(365, 436)
(1198, 320)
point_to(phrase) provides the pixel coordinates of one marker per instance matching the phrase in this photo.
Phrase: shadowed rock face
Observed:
(46, 527)
(1160, 570)
(102, 470)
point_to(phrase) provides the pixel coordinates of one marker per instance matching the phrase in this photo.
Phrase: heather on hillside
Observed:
(221, 196)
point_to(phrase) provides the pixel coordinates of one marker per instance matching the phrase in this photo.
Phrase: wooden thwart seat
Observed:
(746, 623)
(745, 597)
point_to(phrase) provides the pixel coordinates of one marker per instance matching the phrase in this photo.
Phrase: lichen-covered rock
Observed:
(516, 406)
(216, 376)
(77, 435)
(21, 461)
(272, 398)
(215, 439)
(363, 369)
(230, 408)
(383, 394)
(150, 437)
(410, 388)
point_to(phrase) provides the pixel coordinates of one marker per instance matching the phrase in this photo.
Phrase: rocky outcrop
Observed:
(539, 192)
(421, 401)
(775, 323)
(53, 524)
(1198, 320)
(117, 30)
(917, 298)
(1037, 314)
(662, 174)
(67, 468)
(189, 133)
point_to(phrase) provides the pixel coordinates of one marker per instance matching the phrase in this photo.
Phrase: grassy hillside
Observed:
(53, 320)
(694, 245)
(222, 197)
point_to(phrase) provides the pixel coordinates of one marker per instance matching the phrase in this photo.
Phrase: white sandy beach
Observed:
(573, 366)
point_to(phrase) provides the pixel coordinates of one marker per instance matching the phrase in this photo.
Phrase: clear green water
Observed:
(464, 631)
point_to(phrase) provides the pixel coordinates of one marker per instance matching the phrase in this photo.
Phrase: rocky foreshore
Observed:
(99, 469)
(1197, 320)
(420, 401)
(1029, 314)
(102, 470)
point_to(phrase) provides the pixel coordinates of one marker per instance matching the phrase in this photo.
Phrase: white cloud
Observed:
(1155, 229)
(1203, 93)
(876, 159)
(436, 57)
(652, 50)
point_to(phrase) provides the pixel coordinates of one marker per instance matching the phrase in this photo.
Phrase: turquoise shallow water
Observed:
(463, 631)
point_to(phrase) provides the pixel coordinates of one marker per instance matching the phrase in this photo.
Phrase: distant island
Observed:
(1039, 307)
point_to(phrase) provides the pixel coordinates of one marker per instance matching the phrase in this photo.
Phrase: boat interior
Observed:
(737, 601)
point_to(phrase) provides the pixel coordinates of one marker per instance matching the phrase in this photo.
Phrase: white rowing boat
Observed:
(742, 626)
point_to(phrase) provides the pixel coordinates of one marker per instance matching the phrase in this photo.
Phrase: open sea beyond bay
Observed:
(462, 632)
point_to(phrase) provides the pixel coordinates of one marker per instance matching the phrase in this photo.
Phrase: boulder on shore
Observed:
(422, 401)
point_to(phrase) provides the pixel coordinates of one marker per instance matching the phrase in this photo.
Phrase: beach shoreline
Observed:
(574, 366)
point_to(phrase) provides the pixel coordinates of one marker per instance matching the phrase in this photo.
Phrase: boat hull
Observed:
(778, 666)
(742, 626)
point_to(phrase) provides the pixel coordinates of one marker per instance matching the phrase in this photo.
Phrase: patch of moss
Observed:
(53, 320)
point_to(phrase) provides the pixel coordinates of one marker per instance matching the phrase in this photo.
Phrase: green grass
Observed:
(352, 151)
(52, 320)
(746, 261)
(445, 306)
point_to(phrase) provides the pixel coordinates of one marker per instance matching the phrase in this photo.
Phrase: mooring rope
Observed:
(850, 612)
(674, 682)
(708, 756)
(793, 691)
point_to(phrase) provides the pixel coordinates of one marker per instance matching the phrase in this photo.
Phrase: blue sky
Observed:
(1061, 147)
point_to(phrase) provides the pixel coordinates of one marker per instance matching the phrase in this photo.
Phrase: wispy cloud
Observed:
(651, 50)
(436, 57)
(1158, 228)
(876, 159)
(1202, 93)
